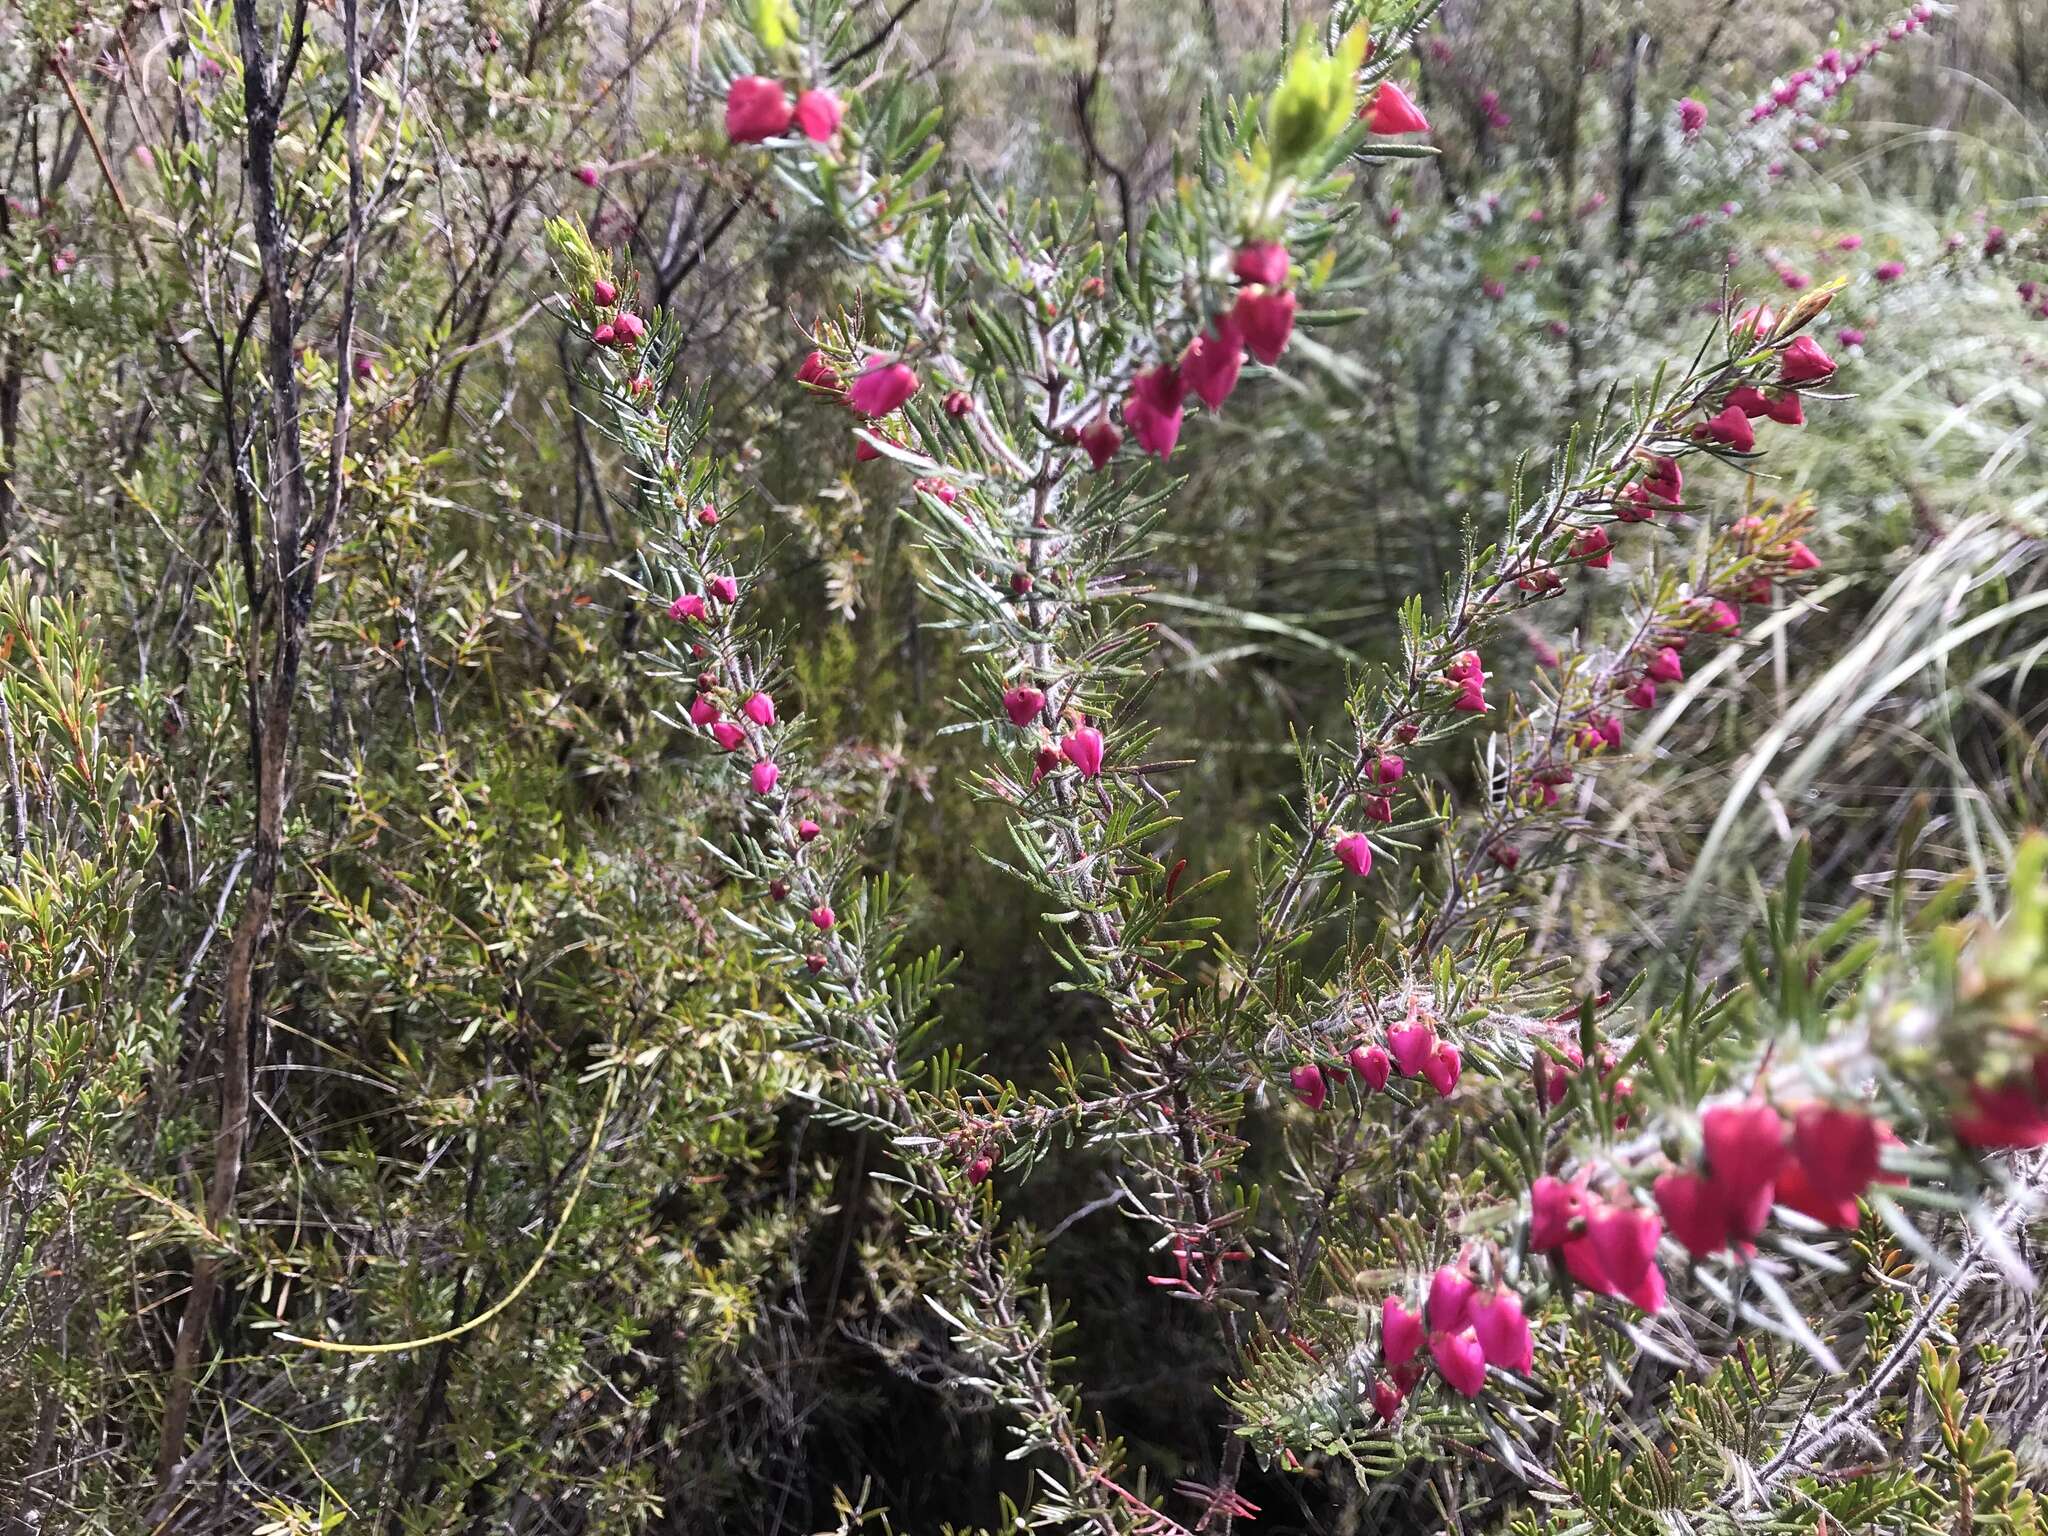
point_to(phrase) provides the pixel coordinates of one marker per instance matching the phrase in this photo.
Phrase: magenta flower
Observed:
(807, 830)
(1412, 1046)
(1804, 362)
(725, 589)
(1212, 362)
(1459, 1360)
(1372, 1064)
(759, 708)
(1391, 112)
(822, 916)
(1400, 1332)
(817, 114)
(1731, 427)
(688, 606)
(1692, 117)
(1553, 1208)
(1889, 271)
(816, 373)
(1022, 705)
(703, 711)
(1153, 410)
(728, 735)
(881, 388)
(1263, 262)
(1442, 1069)
(1355, 853)
(1082, 747)
(765, 775)
(1310, 1086)
(1503, 1330)
(1265, 318)
(1100, 440)
(756, 108)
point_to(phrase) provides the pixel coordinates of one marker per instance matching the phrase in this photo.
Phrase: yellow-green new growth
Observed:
(1315, 100)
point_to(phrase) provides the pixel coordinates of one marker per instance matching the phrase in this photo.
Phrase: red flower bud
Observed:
(1391, 112)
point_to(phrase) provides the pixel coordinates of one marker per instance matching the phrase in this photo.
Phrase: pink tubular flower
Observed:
(1459, 1360)
(817, 114)
(822, 916)
(603, 294)
(1731, 427)
(2006, 1117)
(816, 373)
(1442, 1069)
(881, 388)
(1746, 1151)
(1889, 271)
(1718, 616)
(1388, 769)
(756, 108)
(1387, 1400)
(1503, 1330)
(1100, 440)
(765, 775)
(1400, 1332)
(1022, 705)
(1354, 852)
(628, 328)
(604, 335)
(1593, 547)
(1263, 262)
(1836, 1150)
(1692, 1211)
(1310, 1086)
(1265, 318)
(1153, 410)
(1642, 694)
(759, 708)
(807, 830)
(1412, 1045)
(1849, 243)
(1393, 113)
(703, 710)
(1780, 406)
(1799, 558)
(1554, 1206)
(1665, 666)
(1804, 362)
(725, 589)
(1624, 1243)
(1692, 117)
(728, 735)
(1379, 808)
(1450, 1299)
(1754, 323)
(587, 174)
(1082, 747)
(1372, 1064)
(688, 606)
(1212, 362)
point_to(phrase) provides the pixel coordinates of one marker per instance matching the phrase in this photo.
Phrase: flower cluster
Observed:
(1804, 90)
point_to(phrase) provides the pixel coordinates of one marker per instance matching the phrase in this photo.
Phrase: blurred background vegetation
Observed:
(490, 875)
